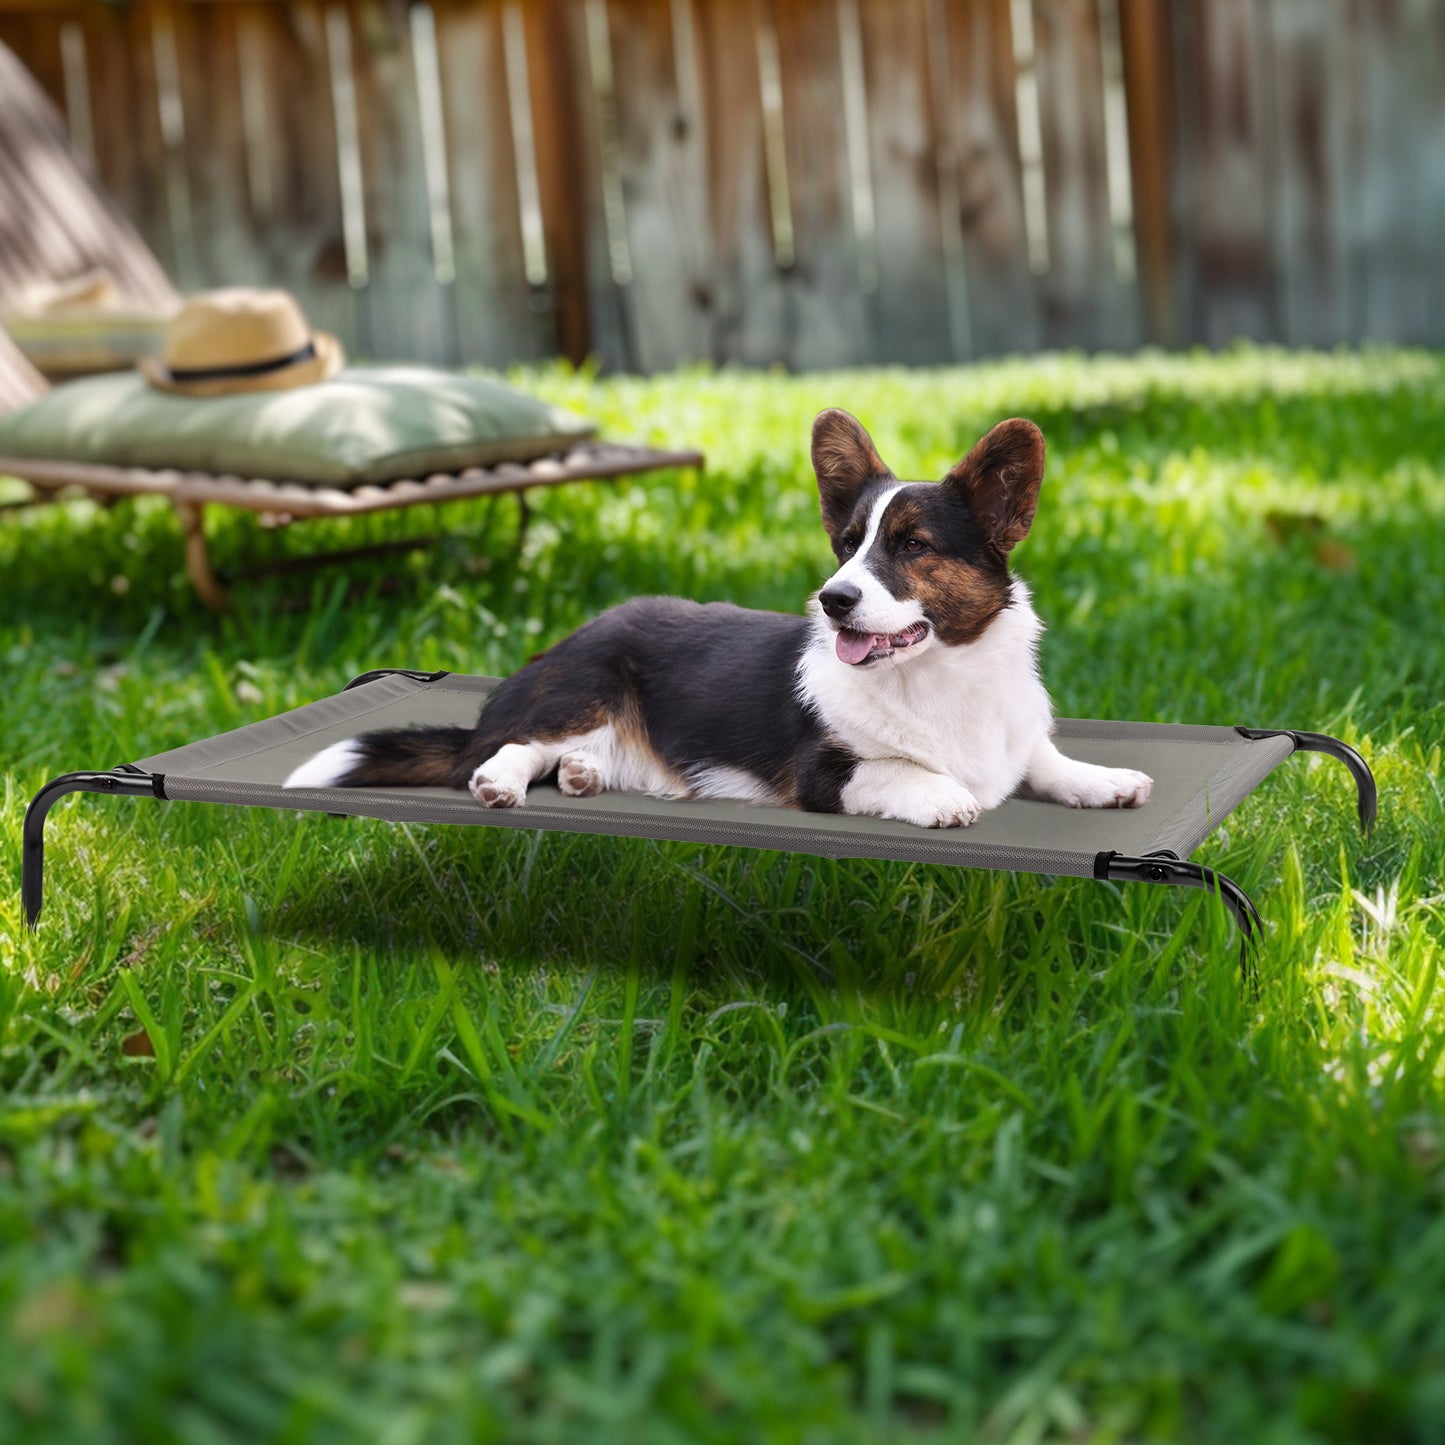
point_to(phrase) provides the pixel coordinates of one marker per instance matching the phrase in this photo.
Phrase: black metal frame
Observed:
(1366, 795)
(410, 672)
(127, 780)
(1162, 867)
(1166, 867)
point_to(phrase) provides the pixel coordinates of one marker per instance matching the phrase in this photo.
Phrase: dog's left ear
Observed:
(1000, 481)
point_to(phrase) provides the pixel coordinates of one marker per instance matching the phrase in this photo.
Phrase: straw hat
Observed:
(241, 339)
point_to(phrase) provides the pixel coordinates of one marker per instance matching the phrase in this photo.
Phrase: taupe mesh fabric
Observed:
(1200, 775)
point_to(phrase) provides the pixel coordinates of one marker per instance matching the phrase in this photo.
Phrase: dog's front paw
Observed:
(944, 805)
(493, 792)
(1108, 788)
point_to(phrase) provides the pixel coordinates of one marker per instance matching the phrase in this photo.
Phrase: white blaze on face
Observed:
(878, 610)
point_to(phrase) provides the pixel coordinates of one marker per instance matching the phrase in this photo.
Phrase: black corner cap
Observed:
(395, 672)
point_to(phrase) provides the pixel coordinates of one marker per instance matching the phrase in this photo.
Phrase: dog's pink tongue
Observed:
(854, 647)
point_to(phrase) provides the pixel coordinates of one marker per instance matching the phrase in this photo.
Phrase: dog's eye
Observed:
(847, 548)
(915, 544)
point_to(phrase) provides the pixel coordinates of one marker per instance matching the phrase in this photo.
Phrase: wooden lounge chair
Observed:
(279, 503)
(85, 231)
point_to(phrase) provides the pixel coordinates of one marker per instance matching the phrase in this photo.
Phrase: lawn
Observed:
(323, 1130)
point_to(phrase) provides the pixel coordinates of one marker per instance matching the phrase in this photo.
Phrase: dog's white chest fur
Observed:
(974, 713)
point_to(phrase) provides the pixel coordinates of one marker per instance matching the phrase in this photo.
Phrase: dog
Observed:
(910, 689)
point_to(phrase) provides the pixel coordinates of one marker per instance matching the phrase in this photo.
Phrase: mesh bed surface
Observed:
(1200, 775)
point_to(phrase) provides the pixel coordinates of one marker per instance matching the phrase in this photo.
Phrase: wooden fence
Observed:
(812, 182)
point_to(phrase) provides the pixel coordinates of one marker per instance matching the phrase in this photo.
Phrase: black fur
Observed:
(416, 757)
(657, 666)
(708, 686)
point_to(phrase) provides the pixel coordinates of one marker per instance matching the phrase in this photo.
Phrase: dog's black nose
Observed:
(839, 599)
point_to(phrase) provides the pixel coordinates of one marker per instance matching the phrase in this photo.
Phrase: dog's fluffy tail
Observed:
(422, 757)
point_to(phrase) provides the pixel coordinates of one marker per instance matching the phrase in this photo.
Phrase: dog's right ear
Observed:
(845, 461)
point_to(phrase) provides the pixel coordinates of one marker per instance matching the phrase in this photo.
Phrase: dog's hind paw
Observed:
(495, 792)
(578, 776)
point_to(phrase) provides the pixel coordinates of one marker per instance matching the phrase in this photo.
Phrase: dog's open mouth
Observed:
(857, 647)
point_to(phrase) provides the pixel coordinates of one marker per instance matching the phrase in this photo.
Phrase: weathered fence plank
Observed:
(401, 300)
(981, 137)
(1084, 301)
(830, 287)
(1312, 48)
(492, 299)
(747, 292)
(224, 243)
(662, 168)
(913, 299)
(1145, 44)
(293, 171)
(1228, 203)
(128, 150)
(554, 53)
(811, 182)
(1399, 183)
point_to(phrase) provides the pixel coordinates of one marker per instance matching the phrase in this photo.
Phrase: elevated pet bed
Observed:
(1200, 774)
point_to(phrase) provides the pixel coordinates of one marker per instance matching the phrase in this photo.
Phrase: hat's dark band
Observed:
(251, 368)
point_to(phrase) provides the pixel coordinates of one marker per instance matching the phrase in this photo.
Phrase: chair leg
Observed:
(198, 561)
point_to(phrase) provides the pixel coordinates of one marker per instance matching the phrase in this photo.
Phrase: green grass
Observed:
(455, 1135)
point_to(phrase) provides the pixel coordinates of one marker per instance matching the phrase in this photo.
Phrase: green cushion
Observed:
(367, 424)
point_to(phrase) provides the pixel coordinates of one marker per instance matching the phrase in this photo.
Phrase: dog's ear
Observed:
(845, 461)
(1000, 481)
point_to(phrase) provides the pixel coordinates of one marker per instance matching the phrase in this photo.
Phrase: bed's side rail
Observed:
(410, 672)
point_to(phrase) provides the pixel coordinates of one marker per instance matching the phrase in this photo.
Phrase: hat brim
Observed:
(329, 358)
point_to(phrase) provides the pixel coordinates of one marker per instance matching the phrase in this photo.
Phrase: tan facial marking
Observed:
(960, 600)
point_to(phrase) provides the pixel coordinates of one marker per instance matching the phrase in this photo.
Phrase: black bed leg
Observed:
(1365, 793)
(127, 781)
(1168, 868)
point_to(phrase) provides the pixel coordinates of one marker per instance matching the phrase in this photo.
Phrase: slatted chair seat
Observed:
(279, 503)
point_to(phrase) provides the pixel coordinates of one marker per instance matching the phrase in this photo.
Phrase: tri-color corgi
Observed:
(910, 690)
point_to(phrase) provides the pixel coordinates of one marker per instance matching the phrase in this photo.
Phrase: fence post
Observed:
(1148, 65)
(552, 76)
